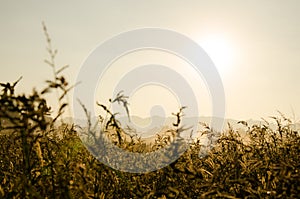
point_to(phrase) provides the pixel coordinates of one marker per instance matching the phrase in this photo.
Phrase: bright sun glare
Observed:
(220, 51)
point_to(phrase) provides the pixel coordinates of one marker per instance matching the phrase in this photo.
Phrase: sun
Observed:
(220, 50)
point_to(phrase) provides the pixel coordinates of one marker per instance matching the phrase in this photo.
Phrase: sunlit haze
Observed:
(221, 50)
(255, 46)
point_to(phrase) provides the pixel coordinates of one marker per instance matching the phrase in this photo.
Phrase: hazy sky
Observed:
(255, 44)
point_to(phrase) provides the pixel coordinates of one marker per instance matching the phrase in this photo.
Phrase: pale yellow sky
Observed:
(261, 38)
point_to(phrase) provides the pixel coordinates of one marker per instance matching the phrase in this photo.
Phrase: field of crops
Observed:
(41, 159)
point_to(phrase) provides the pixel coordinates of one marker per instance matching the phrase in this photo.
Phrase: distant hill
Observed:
(5, 122)
(149, 126)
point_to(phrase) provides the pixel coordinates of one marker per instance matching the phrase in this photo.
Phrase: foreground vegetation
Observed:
(39, 159)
